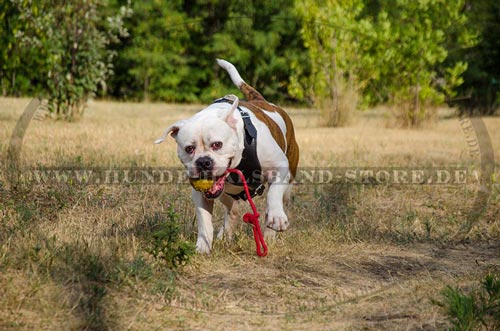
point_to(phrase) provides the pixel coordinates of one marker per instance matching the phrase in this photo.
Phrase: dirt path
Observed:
(359, 286)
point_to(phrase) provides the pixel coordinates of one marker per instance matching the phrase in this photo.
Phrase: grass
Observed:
(479, 309)
(356, 257)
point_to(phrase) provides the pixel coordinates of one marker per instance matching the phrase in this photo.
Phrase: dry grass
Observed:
(356, 257)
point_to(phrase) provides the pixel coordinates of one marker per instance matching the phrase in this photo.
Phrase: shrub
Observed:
(72, 38)
(476, 309)
(166, 242)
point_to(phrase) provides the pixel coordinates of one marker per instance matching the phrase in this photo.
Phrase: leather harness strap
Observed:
(249, 165)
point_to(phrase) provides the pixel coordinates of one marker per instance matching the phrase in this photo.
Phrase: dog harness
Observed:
(249, 165)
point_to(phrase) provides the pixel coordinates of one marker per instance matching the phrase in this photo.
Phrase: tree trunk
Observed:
(13, 82)
(146, 88)
(416, 107)
(335, 85)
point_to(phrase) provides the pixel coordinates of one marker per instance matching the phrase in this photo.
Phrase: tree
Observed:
(389, 51)
(480, 92)
(8, 50)
(261, 39)
(410, 53)
(152, 60)
(72, 38)
(171, 51)
(19, 65)
(331, 31)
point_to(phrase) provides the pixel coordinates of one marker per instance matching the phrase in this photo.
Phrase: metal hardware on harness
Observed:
(253, 193)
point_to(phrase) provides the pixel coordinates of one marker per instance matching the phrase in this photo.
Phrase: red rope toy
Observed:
(260, 244)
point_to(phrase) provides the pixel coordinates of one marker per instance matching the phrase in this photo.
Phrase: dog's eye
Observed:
(217, 145)
(189, 149)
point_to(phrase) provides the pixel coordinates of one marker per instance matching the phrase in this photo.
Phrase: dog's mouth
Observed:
(216, 188)
(211, 187)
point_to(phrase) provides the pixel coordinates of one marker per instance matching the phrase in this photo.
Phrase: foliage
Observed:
(338, 55)
(480, 93)
(412, 38)
(474, 310)
(392, 51)
(152, 60)
(166, 242)
(262, 38)
(330, 30)
(73, 39)
(15, 60)
(171, 51)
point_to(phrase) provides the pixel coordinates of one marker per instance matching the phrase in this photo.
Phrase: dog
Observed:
(254, 136)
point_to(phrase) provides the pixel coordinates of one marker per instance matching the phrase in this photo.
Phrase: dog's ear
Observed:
(173, 130)
(230, 116)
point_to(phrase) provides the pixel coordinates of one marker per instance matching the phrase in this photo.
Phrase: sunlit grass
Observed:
(74, 257)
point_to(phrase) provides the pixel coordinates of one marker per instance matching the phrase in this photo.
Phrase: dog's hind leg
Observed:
(230, 217)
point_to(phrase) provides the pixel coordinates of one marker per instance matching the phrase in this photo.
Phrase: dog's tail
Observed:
(231, 70)
(249, 92)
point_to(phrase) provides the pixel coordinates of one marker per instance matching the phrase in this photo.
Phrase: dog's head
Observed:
(209, 143)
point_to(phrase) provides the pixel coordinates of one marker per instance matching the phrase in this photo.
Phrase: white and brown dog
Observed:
(224, 135)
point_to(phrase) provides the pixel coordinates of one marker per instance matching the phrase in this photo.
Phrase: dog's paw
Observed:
(276, 220)
(220, 234)
(202, 247)
(269, 235)
(225, 233)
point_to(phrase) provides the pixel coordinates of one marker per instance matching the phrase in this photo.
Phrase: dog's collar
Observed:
(249, 164)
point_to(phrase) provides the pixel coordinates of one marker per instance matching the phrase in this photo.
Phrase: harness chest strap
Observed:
(249, 165)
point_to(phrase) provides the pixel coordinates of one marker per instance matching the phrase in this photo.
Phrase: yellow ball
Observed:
(202, 185)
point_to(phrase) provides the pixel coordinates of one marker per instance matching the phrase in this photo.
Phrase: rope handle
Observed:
(252, 218)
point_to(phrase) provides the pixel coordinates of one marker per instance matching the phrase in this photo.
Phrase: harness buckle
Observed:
(244, 114)
(260, 189)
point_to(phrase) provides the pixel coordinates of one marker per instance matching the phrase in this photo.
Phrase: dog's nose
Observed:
(205, 163)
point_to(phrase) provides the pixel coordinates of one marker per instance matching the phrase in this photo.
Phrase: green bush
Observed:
(477, 310)
(72, 39)
(167, 243)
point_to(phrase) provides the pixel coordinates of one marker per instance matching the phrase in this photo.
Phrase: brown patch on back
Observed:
(250, 93)
(272, 125)
(256, 103)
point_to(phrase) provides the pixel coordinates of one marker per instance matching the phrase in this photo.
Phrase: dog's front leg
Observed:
(204, 209)
(276, 218)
